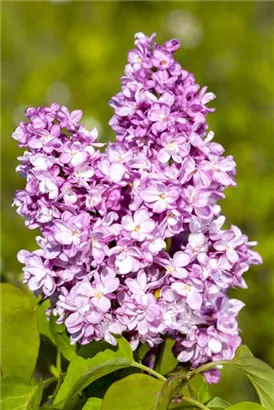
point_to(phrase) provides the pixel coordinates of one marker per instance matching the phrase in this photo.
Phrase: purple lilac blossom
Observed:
(132, 239)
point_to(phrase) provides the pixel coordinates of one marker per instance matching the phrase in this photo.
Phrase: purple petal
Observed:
(194, 300)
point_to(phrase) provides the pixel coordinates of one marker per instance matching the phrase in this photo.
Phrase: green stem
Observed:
(58, 385)
(47, 382)
(148, 370)
(59, 362)
(208, 366)
(194, 402)
(54, 371)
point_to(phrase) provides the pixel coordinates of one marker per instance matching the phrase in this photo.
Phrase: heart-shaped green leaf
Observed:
(20, 334)
(245, 406)
(243, 352)
(259, 373)
(135, 392)
(218, 404)
(18, 395)
(261, 376)
(203, 394)
(82, 372)
(43, 322)
(93, 404)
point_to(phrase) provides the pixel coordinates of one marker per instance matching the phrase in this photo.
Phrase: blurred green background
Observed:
(74, 53)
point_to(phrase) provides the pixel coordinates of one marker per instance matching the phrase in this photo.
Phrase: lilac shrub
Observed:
(132, 238)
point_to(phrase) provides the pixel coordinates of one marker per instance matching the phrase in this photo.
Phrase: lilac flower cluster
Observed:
(132, 239)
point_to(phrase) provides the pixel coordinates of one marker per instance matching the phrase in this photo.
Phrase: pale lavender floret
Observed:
(132, 239)
(114, 171)
(175, 148)
(159, 197)
(191, 293)
(72, 230)
(127, 258)
(38, 276)
(103, 284)
(175, 266)
(138, 287)
(140, 225)
(142, 317)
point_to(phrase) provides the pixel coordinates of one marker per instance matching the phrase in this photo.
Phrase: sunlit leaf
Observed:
(82, 372)
(203, 394)
(261, 376)
(43, 322)
(245, 406)
(20, 334)
(18, 395)
(243, 352)
(125, 349)
(217, 404)
(135, 392)
(259, 373)
(93, 404)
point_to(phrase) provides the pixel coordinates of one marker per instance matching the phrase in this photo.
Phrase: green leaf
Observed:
(259, 373)
(135, 392)
(76, 403)
(203, 394)
(193, 386)
(93, 404)
(92, 348)
(125, 349)
(218, 404)
(170, 389)
(17, 395)
(178, 384)
(82, 372)
(245, 406)
(99, 387)
(143, 349)
(20, 334)
(166, 361)
(43, 322)
(62, 339)
(261, 376)
(89, 372)
(243, 352)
